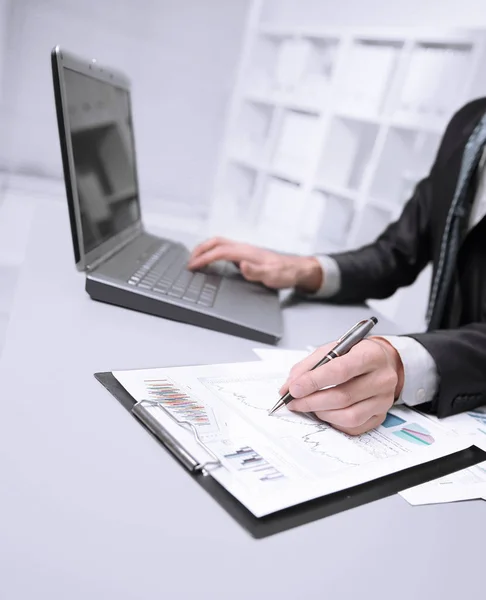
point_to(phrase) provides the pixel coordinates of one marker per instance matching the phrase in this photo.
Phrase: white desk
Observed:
(91, 507)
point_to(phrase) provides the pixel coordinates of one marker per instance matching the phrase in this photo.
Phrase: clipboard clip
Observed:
(170, 442)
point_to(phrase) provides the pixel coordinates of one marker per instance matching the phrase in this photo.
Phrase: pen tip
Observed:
(374, 319)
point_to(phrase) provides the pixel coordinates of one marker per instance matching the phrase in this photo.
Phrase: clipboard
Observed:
(306, 512)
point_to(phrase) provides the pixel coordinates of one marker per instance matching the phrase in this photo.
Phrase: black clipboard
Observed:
(320, 507)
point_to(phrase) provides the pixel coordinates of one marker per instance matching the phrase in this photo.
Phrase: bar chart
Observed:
(247, 459)
(182, 406)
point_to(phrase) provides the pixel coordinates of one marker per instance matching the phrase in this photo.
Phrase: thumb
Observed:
(251, 271)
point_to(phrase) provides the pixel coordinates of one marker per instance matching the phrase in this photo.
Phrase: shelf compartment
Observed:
(293, 70)
(311, 84)
(365, 79)
(280, 213)
(296, 145)
(237, 192)
(432, 87)
(406, 157)
(261, 72)
(346, 153)
(251, 131)
(332, 229)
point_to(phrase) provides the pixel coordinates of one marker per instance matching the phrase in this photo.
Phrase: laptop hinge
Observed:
(113, 250)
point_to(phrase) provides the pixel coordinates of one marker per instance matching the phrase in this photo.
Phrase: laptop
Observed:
(124, 264)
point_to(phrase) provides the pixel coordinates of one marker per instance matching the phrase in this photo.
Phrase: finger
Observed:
(372, 423)
(208, 245)
(355, 416)
(339, 370)
(340, 396)
(306, 365)
(233, 252)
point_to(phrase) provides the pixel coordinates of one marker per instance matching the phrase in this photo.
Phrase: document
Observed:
(267, 462)
(467, 484)
(284, 358)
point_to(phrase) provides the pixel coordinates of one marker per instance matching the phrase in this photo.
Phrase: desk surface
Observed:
(92, 508)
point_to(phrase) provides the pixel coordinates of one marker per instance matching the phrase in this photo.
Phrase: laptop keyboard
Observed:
(164, 272)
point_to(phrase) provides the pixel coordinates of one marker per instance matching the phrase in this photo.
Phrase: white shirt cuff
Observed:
(421, 379)
(331, 278)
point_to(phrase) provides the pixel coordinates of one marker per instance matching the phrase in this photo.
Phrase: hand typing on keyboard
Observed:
(165, 272)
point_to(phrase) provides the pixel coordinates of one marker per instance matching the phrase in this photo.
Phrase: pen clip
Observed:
(351, 331)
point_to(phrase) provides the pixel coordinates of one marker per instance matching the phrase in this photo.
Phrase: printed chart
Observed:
(247, 459)
(326, 450)
(416, 434)
(183, 407)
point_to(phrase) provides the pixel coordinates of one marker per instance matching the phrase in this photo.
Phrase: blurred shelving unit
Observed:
(331, 130)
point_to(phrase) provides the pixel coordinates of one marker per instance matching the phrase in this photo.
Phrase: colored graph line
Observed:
(247, 459)
(177, 402)
(416, 434)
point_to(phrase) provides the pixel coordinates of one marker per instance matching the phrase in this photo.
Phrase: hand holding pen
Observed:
(366, 375)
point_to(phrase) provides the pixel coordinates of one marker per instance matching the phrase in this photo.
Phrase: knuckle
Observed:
(343, 397)
(351, 418)
(369, 352)
(368, 356)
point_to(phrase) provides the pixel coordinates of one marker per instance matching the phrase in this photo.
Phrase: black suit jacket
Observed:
(397, 257)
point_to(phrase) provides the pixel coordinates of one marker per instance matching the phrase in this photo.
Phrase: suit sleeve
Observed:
(460, 358)
(401, 252)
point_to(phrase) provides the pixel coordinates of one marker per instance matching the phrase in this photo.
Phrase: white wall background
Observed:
(364, 13)
(181, 56)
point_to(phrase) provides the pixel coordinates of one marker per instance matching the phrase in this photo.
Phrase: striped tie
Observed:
(451, 236)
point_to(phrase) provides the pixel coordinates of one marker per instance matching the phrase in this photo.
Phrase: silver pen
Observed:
(344, 345)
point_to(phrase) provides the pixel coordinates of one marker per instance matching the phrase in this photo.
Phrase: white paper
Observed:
(272, 462)
(462, 485)
(285, 358)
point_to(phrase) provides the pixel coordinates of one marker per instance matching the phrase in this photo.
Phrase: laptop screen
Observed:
(101, 132)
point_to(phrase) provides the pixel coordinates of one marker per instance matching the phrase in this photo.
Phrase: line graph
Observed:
(258, 392)
(318, 443)
(328, 449)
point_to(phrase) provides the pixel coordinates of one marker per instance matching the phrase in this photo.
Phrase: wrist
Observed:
(309, 276)
(396, 362)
